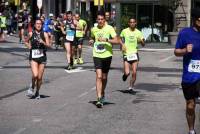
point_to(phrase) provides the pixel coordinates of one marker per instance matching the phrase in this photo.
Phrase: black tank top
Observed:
(35, 40)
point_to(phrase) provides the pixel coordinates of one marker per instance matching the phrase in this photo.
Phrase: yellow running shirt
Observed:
(102, 49)
(131, 40)
(80, 28)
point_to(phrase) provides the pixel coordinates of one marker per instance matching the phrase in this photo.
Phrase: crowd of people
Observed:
(69, 30)
(103, 36)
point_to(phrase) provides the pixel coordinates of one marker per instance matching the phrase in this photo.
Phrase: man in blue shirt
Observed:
(188, 46)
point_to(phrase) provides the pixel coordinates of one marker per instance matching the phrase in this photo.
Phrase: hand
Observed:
(91, 42)
(189, 48)
(102, 39)
(123, 48)
(41, 41)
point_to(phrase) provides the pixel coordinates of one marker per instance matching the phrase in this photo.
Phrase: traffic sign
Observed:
(39, 4)
(17, 2)
(98, 2)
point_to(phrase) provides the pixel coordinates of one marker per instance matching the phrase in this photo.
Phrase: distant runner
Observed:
(102, 36)
(129, 39)
(37, 44)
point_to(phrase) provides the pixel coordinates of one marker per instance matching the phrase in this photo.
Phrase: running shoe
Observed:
(76, 61)
(192, 133)
(69, 67)
(37, 95)
(124, 77)
(30, 91)
(99, 103)
(80, 61)
(103, 100)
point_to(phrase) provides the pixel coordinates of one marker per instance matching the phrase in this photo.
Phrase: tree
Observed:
(172, 6)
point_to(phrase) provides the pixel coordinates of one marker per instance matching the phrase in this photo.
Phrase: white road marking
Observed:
(86, 92)
(19, 131)
(1, 68)
(79, 69)
(37, 120)
(166, 59)
(83, 94)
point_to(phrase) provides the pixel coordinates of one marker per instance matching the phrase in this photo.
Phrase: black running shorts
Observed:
(191, 91)
(102, 63)
(130, 62)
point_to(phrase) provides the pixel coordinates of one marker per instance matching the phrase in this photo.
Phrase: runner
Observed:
(109, 20)
(69, 30)
(80, 33)
(188, 46)
(129, 39)
(102, 36)
(48, 27)
(37, 44)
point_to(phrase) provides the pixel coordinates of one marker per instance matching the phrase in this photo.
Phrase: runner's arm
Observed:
(46, 42)
(122, 44)
(142, 42)
(62, 29)
(27, 41)
(183, 51)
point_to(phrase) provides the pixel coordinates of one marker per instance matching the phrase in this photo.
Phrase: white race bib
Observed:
(19, 24)
(37, 53)
(99, 47)
(194, 66)
(132, 57)
(70, 35)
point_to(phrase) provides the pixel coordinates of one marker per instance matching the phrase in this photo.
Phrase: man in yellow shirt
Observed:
(102, 37)
(80, 33)
(129, 39)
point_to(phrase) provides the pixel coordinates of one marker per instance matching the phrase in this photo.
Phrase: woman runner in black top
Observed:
(37, 43)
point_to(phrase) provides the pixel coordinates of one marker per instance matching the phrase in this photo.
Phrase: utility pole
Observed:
(99, 6)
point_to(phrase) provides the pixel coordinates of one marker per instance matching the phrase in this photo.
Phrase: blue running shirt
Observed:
(191, 61)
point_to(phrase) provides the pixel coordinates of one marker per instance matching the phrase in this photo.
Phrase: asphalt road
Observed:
(66, 106)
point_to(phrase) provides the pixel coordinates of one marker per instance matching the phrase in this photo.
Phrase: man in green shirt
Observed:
(2, 26)
(129, 39)
(102, 38)
(80, 33)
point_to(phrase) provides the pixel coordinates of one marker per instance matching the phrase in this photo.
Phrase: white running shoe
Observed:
(38, 97)
(30, 91)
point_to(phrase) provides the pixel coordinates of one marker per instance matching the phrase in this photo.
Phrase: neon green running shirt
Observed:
(80, 28)
(131, 40)
(102, 49)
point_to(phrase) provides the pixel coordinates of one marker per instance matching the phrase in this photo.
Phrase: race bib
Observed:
(19, 24)
(194, 66)
(132, 57)
(70, 35)
(37, 53)
(99, 47)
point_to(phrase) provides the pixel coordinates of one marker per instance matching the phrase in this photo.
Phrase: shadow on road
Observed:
(158, 69)
(105, 103)
(128, 92)
(152, 87)
(41, 97)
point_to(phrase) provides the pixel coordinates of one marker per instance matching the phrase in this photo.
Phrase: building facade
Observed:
(155, 18)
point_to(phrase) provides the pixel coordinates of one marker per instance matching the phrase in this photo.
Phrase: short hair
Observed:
(131, 18)
(101, 13)
(37, 20)
(69, 12)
